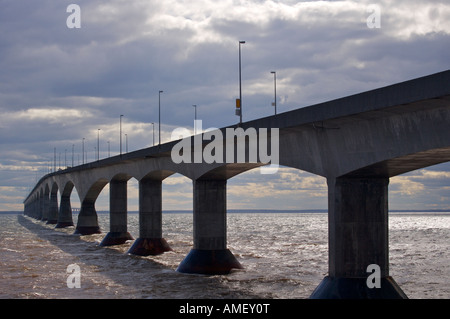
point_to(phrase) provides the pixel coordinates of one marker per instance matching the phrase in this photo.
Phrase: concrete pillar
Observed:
(87, 219)
(118, 233)
(45, 206)
(150, 241)
(65, 212)
(53, 209)
(209, 254)
(358, 237)
(36, 208)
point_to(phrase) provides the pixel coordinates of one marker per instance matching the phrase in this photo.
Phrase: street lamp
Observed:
(275, 89)
(121, 134)
(240, 83)
(98, 144)
(159, 107)
(195, 119)
(82, 149)
(153, 125)
(54, 159)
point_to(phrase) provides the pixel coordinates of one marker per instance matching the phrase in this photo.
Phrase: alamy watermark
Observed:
(374, 19)
(235, 146)
(374, 279)
(74, 19)
(74, 278)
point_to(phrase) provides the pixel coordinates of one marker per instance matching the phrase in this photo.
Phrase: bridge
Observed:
(357, 143)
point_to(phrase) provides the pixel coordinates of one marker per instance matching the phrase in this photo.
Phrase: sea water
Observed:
(285, 256)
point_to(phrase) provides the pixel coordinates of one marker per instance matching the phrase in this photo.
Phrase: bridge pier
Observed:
(150, 241)
(53, 208)
(358, 237)
(44, 207)
(118, 233)
(87, 219)
(209, 254)
(65, 212)
(36, 208)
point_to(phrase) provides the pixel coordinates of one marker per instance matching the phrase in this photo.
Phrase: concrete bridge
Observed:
(357, 143)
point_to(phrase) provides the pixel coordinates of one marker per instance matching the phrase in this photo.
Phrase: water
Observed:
(285, 256)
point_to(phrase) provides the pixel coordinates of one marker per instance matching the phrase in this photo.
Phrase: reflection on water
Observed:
(284, 255)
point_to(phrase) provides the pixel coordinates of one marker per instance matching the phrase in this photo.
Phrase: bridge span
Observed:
(357, 143)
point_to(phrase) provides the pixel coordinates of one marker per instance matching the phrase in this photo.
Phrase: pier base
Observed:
(87, 220)
(149, 247)
(87, 230)
(64, 224)
(209, 262)
(116, 238)
(356, 288)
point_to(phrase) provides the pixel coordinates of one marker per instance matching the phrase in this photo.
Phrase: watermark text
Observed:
(235, 145)
(74, 278)
(74, 19)
(374, 279)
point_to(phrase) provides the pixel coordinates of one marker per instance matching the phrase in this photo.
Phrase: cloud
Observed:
(294, 188)
(59, 85)
(50, 115)
(421, 189)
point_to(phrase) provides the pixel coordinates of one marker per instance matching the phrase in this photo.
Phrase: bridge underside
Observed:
(404, 164)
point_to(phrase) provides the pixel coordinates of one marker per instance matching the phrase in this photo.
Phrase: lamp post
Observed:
(240, 83)
(159, 108)
(82, 150)
(98, 144)
(153, 125)
(195, 119)
(121, 134)
(275, 89)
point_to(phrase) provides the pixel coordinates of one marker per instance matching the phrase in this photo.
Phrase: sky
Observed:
(60, 82)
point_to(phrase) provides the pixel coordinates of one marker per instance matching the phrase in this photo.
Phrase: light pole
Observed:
(275, 89)
(159, 126)
(195, 119)
(121, 134)
(109, 150)
(98, 144)
(54, 159)
(73, 154)
(240, 83)
(82, 149)
(153, 125)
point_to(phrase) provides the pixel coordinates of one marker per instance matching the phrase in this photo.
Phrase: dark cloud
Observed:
(125, 52)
